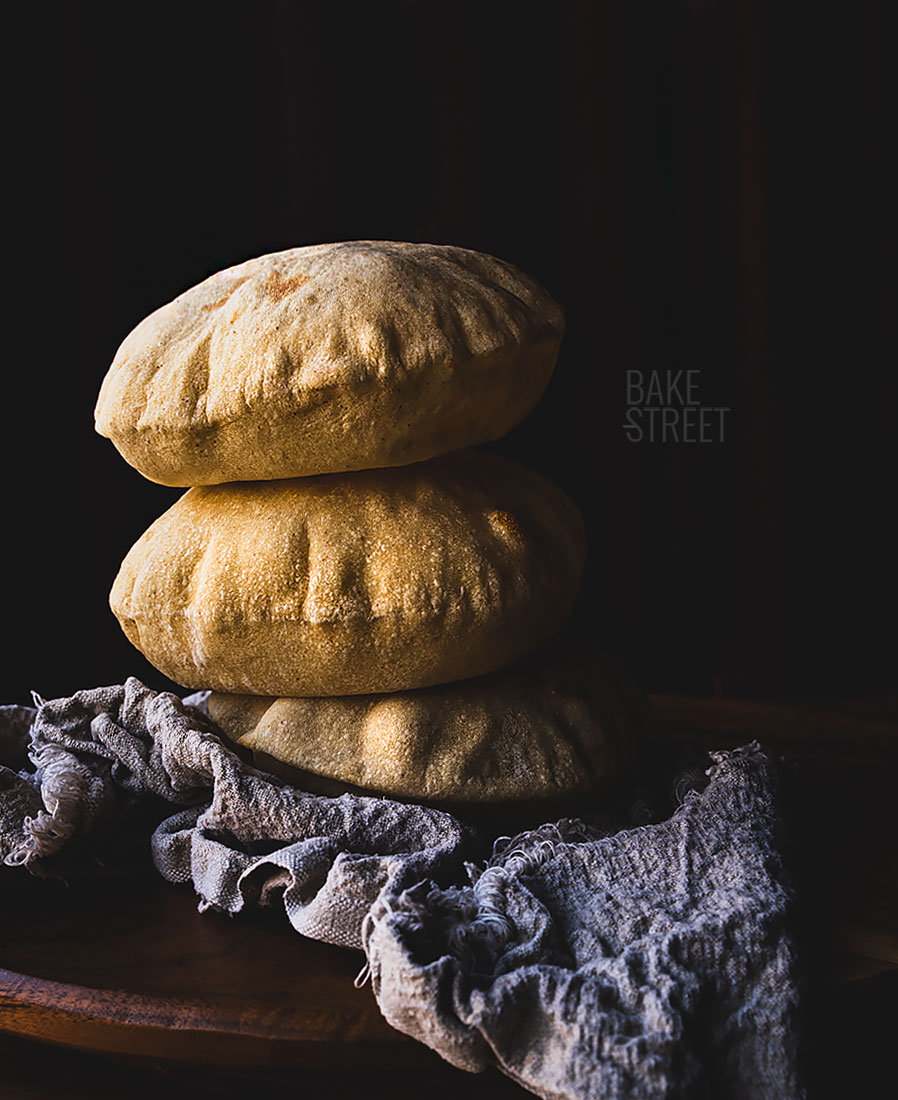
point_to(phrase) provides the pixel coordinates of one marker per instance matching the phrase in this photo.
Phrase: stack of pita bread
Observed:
(371, 603)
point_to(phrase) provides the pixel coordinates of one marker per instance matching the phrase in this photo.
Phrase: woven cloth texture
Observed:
(583, 958)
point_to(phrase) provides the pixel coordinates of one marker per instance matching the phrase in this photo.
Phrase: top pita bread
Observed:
(330, 358)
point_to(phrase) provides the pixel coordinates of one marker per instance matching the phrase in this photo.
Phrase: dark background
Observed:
(701, 185)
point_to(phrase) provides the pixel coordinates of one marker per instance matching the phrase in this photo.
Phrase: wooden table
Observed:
(207, 1003)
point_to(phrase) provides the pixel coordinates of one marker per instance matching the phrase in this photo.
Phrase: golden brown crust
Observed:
(330, 358)
(375, 581)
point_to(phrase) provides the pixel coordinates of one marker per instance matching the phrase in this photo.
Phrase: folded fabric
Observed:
(650, 961)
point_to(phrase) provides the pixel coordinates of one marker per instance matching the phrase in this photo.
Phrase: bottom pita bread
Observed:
(560, 723)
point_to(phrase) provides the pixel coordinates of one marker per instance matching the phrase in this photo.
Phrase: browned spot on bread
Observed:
(278, 287)
(506, 524)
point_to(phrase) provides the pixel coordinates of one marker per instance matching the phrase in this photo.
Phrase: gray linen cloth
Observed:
(650, 961)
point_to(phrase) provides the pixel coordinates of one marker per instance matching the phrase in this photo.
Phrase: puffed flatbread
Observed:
(373, 581)
(554, 725)
(329, 358)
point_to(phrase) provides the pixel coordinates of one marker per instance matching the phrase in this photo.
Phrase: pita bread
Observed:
(552, 726)
(329, 358)
(374, 581)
